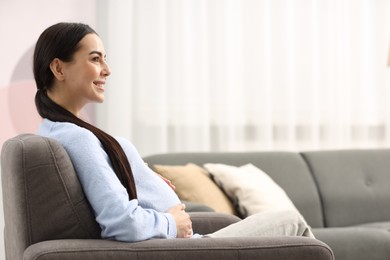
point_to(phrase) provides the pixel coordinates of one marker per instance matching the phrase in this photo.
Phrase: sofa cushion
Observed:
(252, 189)
(354, 185)
(193, 184)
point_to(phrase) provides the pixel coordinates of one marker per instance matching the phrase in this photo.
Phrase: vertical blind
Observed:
(242, 75)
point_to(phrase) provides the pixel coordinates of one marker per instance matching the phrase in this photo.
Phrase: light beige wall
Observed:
(21, 22)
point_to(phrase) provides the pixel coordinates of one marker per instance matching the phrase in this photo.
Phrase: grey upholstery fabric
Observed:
(288, 169)
(196, 207)
(43, 199)
(354, 185)
(265, 248)
(355, 243)
(48, 217)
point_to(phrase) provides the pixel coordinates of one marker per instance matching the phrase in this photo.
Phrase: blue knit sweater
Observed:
(120, 219)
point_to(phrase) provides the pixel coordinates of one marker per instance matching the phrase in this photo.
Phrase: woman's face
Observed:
(85, 75)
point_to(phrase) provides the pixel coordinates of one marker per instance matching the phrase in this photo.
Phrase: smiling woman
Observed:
(130, 201)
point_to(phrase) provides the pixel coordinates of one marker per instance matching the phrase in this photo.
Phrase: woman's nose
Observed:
(106, 70)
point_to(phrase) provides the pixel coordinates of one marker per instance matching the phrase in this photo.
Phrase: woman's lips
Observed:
(99, 84)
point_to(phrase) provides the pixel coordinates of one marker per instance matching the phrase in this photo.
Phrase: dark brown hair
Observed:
(62, 41)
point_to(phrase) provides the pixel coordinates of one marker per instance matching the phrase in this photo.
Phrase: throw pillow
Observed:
(250, 188)
(193, 184)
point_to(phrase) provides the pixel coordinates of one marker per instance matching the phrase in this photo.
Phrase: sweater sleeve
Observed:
(119, 218)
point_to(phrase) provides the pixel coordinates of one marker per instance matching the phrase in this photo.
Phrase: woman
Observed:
(130, 201)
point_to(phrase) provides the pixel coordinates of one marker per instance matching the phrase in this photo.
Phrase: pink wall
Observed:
(21, 22)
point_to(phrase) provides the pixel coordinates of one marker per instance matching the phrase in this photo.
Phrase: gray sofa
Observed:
(47, 217)
(343, 194)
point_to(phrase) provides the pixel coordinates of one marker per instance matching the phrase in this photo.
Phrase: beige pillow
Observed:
(193, 184)
(251, 188)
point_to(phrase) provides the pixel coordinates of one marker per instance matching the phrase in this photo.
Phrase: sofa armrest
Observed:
(209, 222)
(264, 248)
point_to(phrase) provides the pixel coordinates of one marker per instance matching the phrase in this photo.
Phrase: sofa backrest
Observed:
(354, 185)
(42, 196)
(288, 169)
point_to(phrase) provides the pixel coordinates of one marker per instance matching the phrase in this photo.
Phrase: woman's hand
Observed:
(183, 221)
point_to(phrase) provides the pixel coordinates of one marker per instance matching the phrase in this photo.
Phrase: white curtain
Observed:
(245, 75)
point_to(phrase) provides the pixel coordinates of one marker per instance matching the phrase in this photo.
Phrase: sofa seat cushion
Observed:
(356, 243)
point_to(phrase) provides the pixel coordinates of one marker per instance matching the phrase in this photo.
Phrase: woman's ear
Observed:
(56, 66)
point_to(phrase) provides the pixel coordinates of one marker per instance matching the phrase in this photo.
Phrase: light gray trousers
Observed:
(267, 223)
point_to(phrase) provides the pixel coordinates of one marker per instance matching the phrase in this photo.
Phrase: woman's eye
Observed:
(96, 59)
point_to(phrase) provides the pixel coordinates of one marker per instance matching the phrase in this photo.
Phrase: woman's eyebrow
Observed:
(98, 53)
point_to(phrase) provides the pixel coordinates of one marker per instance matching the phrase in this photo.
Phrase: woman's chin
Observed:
(99, 98)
